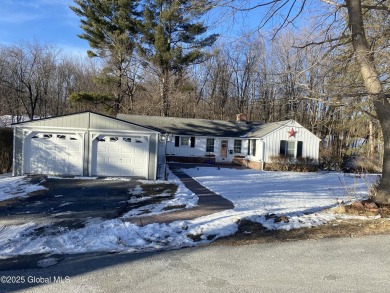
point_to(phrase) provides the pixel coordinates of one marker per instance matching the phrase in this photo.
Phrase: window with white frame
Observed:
(253, 148)
(288, 147)
(185, 141)
(237, 146)
(210, 145)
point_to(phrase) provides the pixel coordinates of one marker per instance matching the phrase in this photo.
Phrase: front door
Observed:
(224, 149)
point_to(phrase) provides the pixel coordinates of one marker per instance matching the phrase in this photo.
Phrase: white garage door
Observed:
(54, 153)
(120, 156)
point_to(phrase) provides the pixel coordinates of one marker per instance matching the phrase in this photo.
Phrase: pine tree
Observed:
(111, 27)
(173, 38)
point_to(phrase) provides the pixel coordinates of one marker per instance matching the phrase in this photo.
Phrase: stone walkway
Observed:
(209, 203)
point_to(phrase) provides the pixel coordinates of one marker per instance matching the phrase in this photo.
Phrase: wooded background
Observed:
(296, 74)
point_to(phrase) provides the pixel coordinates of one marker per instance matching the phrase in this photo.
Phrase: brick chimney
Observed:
(241, 117)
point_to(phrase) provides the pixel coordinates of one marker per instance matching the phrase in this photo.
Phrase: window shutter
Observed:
(249, 147)
(177, 141)
(192, 141)
(300, 149)
(283, 147)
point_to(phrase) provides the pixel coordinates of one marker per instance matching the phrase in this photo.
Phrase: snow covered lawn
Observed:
(282, 192)
(13, 187)
(302, 197)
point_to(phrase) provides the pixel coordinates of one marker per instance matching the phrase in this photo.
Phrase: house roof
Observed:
(171, 125)
(266, 128)
(85, 119)
(174, 125)
(203, 127)
(188, 126)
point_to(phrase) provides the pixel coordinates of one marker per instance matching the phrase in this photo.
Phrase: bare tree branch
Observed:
(346, 38)
(376, 7)
(252, 7)
(333, 3)
(369, 114)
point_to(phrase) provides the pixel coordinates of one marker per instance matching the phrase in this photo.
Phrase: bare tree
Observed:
(348, 20)
(244, 62)
(36, 80)
(27, 74)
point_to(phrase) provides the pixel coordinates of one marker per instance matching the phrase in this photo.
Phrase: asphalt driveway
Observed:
(69, 202)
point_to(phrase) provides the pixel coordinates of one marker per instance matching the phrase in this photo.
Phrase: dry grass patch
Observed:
(251, 233)
(375, 221)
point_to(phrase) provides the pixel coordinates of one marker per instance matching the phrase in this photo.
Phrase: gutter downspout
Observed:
(262, 153)
(14, 153)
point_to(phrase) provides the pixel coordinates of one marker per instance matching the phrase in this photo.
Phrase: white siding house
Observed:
(290, 139)
(91, 144)
(250, 143)
(222, 149)
(84, 144)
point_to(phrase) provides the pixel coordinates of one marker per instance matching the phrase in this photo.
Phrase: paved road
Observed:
(330, 265)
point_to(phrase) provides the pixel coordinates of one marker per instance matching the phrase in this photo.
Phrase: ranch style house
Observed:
(91, 144)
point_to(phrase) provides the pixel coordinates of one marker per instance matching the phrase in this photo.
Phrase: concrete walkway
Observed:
(209, 203)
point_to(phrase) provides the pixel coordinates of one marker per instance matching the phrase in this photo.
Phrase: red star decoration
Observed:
(291, 133)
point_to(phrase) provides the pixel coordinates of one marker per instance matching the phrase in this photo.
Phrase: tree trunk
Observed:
(371, 149)
(374, 88)
(383, 112)
(164, 93)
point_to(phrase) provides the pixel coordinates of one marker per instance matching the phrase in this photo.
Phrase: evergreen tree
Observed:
(111, 27)
(173, 38)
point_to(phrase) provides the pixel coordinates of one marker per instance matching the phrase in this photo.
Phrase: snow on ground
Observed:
(302, 197)
(183, 198)
(12, 187)
(282, 192)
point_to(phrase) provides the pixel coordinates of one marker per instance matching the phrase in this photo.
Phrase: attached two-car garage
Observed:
(85, 144)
